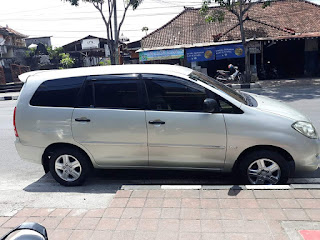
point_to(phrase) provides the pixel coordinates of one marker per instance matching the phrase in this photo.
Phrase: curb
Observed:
(6, 98)
(244, 85)
(220, 187)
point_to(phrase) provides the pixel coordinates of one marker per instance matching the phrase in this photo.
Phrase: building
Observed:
(12, 55)
(88, 51)
(12, 46)
(283, 40)
(128, 52)
(36, 40)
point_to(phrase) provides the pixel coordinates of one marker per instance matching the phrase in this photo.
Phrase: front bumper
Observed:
(310, 161)
(29, 153)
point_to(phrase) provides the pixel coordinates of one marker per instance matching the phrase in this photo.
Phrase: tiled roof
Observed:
(280, 20)
(10, 31)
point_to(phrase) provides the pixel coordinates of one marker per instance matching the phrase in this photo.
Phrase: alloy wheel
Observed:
(68, 168)
(264, 171)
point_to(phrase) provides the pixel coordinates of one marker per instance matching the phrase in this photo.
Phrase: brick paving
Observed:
(181, 214)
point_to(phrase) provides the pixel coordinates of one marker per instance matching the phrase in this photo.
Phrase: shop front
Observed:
(168, 56)
(209, 59)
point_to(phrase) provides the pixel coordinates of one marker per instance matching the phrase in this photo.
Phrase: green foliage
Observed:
(212, 16)
(216, 14)
(31, 52)
(133, 3)
(66, 61)
(55, 53)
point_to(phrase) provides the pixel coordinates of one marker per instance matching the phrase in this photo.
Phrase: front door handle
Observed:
(158, 121)
(82, 119)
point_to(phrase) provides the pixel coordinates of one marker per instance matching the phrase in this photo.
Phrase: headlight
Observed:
(306, 129)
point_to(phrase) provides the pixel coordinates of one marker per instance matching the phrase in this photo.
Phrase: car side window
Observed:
(115, 92)
(168, 93)
(61, 92)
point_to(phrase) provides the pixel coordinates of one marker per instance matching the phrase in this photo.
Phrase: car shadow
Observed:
(109, 181)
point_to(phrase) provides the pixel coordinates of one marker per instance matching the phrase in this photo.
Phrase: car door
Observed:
(110, 121)
(180, 133)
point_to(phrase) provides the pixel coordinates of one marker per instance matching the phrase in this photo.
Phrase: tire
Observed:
(69, 166)
(267, 168)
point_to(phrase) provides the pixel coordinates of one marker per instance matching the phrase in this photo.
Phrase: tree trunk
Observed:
(247, 74)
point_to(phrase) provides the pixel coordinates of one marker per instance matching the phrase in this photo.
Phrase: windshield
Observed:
(198, 76)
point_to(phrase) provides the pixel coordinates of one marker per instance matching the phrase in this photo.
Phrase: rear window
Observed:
(61, 92)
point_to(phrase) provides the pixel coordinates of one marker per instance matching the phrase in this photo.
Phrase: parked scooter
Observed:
(27, 231)
(233, 75)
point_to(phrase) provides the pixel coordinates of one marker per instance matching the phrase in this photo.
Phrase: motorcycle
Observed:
(228, 77)
(27, 231)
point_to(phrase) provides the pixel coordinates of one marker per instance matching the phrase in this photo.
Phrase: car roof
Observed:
(43, 75)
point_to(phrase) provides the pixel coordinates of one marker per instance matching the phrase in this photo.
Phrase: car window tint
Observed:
(58, 92)
(174, 94)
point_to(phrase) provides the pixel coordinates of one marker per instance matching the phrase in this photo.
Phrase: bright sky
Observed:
(66, 23)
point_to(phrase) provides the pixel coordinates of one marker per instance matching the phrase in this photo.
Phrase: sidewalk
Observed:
(184, 214)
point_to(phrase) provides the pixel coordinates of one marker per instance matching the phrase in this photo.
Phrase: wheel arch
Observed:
(287, 156)
(47, 152)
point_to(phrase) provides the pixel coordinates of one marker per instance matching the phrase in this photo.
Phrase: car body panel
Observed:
(178, 143)
(114, 137)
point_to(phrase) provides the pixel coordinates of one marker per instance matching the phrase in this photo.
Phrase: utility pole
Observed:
(116, 43)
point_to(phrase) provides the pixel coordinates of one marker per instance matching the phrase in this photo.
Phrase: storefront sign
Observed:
(161, 55)
(200, 54)
(90, 43)
(229, 51)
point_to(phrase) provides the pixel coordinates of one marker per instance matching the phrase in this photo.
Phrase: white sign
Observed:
(90, 43)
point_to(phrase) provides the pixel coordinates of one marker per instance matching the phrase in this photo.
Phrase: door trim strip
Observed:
(186, 145)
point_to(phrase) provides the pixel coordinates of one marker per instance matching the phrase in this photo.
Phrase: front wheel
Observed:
(264, 168)
(69, 167)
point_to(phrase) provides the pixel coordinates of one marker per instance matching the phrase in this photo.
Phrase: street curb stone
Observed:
(244, 85)
(6, 98)
(221, 187)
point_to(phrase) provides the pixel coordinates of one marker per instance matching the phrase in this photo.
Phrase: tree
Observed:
(109, 17)
(239, 8)
(66, 61)
(145, 29)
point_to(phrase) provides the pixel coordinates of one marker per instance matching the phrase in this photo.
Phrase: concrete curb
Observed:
(244, 85)
(6, 98)
(220, 187)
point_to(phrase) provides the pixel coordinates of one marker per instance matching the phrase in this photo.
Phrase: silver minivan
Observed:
(159, 117)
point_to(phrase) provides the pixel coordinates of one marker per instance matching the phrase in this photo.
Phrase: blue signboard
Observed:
(161, 55)
(229, 51)
(200, 54)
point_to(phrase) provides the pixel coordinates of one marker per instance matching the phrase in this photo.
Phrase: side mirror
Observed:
(210, 105)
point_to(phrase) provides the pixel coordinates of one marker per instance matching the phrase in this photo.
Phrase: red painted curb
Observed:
(310, 234)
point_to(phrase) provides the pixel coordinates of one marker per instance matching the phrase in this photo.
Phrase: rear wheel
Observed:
(69, 167)
(264, 168)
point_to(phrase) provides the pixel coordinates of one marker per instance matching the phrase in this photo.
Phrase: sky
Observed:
(66, 23)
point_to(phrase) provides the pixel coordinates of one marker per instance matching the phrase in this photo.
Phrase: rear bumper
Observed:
(29, 153)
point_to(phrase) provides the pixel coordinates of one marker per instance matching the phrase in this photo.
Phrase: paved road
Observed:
(23, 184)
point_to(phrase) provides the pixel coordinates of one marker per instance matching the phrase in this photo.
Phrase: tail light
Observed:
(14, 122)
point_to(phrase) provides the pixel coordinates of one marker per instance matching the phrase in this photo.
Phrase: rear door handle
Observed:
(82, 119)
(157, 122)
